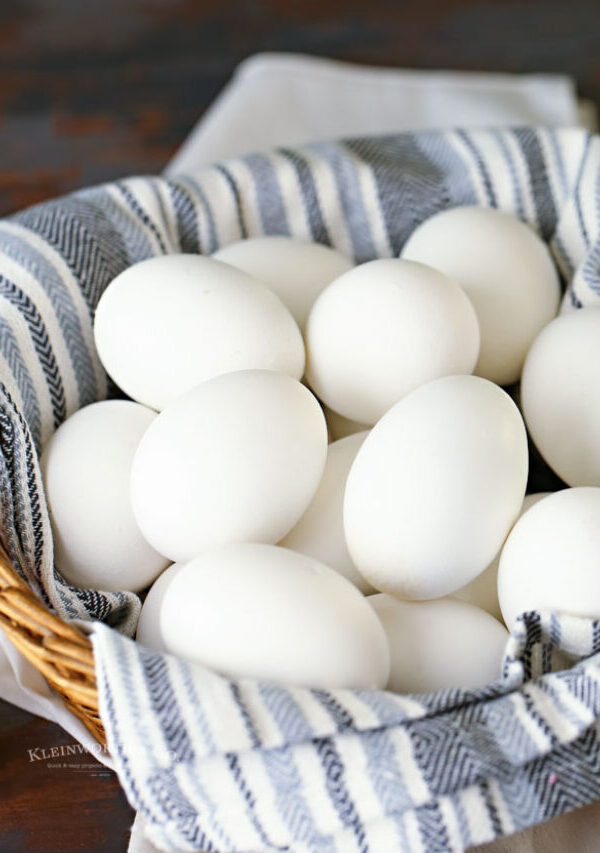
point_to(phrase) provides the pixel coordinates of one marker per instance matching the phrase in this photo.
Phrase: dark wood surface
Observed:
(102, 88)
(52, 797)
(96, 89)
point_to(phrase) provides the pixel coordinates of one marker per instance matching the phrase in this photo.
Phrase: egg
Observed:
(559, 396)
(169, 323)
(86, 467)
(435, 488)
(296, 271)
(339, 426)
(258, 611)
(237, 459)
(551, 558)
(381, 330)
(482, 591)
(440, 644)
(148, 628)
(506, 271)
(320, 531)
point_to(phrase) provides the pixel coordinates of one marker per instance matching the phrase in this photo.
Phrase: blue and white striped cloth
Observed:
(244, 766)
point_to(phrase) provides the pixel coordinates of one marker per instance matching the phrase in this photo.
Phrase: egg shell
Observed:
(440, 644)
(320, 531)
(381, 330)
(339, 426)
(237, 459)
(507, 272)
(168, 323)
(482, 591)
(551, 558)
(559, 396)
(86, 467)
(296, 271)
(435, 488)
(258, 611)
(148, 627)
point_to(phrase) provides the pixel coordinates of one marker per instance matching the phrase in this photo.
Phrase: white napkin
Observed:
(281, 99)
(23, 686)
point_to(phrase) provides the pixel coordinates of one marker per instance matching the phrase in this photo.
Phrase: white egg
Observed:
(439, 644)
(435, 487)
(237, 459)
(551, 559)
(339, 426)
(320, 531)
(86, 467)
(383, 329)
(507, 272)
(259, 611)
(148, 628)
(297, 272)
(559, 396)
(482, 591)
(168, 323)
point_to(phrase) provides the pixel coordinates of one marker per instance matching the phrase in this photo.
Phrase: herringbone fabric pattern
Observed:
(246, 766)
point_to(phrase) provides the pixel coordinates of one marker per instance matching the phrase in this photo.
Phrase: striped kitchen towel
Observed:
(244, 766)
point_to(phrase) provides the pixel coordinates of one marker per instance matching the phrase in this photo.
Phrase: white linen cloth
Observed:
(277, 99)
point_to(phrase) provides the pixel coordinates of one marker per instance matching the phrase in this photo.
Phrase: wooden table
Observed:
(99, 89)
(52, 797)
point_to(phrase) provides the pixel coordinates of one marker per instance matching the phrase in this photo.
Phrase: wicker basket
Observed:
(61, 652)
(414, 176)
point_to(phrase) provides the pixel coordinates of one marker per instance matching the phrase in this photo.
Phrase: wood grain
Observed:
(55, 802)
(95, 90)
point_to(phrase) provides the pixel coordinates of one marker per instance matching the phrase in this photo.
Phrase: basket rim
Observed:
(61, 652)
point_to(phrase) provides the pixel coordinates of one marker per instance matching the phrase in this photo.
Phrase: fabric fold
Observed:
(242, 766)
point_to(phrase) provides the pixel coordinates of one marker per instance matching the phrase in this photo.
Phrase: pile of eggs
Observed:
(388, 557)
